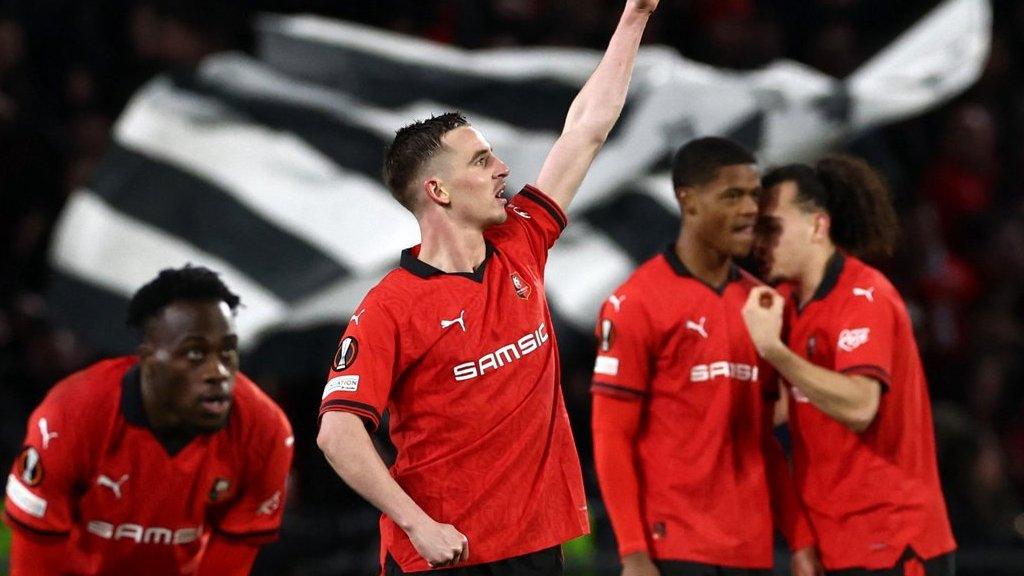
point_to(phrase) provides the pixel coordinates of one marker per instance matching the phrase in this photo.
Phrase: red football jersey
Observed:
(669, 340)
(869, 495)
(93, 470)
(468, 368)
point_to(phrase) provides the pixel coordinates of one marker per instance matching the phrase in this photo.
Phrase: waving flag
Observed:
(266, 169)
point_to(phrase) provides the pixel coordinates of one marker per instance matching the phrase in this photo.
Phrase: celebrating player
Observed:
(683, 410)
(457, 344)
(864, 448)
(170, 462)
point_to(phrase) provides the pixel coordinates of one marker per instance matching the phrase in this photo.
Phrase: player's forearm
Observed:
(594, 111)
(851, 400)
(614, 458)
(350, 451)
(598, 105)
(615, 425)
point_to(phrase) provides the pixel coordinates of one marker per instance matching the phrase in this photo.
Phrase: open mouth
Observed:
(744, 230)
(500, 194)
(216, 405)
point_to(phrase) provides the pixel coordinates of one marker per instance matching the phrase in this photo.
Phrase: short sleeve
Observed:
(362, 371)
(863, 336)
(255, 516)
(536, 218)
(623, 363)
(41, 483)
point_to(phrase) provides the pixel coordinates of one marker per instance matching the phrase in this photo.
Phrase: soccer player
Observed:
(864, 447)
(683, 409)
(457, 344)
(170, 462)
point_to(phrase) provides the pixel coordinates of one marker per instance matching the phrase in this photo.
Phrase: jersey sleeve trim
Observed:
(545, 202)
(19, 525)
(870, 371)
(617, 391)
(365, 411)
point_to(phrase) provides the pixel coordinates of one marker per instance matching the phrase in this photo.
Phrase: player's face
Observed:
(475, 178)
(785, 233)
(189, 362)
(724, 211)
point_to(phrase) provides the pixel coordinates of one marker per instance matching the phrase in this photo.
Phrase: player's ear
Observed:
(687, 197)
(436, 192)
(822, 225)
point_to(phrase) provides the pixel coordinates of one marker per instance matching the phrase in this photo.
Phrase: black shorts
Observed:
(541, 563)
(680, 568)
(909, 565)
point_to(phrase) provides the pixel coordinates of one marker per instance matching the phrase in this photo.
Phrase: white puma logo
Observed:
(616, 301)
(355, 317)
(445, 324)
(865, 292)
(45, 431)
(106, 482)
(697, 327)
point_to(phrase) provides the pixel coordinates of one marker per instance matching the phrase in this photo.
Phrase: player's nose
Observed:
(501, 168)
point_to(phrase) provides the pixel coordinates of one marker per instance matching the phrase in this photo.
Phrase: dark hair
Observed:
(413, 146)
(697, 162)
(855, 196)
(190, 284)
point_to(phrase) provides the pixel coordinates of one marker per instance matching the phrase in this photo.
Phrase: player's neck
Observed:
(707, 265)
(814, 273)
(450, 248)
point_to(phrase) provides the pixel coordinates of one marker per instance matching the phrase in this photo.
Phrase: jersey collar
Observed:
(833, 269)
(419, 268)
(680, 269)
(131, 398)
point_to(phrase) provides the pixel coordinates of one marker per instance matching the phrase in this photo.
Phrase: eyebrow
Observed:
(742, 190)
(479, 153)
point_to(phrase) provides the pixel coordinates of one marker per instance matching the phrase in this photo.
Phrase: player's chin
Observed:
(741, 246)
(498, 217)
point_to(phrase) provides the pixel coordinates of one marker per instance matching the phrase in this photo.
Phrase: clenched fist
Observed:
(762, 314)
(440, 545)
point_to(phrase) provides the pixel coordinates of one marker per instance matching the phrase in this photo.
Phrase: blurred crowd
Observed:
(67, 68)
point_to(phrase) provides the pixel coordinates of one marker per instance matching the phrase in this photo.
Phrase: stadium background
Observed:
(68, 67)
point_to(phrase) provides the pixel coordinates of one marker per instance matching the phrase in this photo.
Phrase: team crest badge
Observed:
(219, 489)
(812, 346)
(522, 288)
(29, 467)
(346, 354)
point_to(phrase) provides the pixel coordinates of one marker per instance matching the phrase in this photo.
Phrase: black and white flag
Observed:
(267, 169)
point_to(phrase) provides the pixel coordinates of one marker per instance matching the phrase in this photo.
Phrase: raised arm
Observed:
(596, 108)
